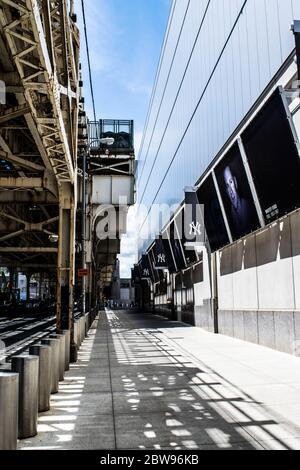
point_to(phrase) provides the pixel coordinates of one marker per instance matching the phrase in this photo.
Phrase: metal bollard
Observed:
(44, 353)
(80, 331)
(54, 343)
(83, 328)
(67, 335)
(76, 333)
(9, 404)
(87, 324)
(28, 369)
(62, 355)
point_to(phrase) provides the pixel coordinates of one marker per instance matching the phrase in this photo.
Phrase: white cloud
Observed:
(128, 256)
(137, 141)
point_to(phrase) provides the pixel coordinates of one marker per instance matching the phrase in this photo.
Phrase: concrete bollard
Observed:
(76, 333)
(67, 335)
(28, 369)
(9, 404)
(44, 353)
(54, 343)
(87, 324)
(83, 328)
(62, 355)
(79, 332)
(80, 338)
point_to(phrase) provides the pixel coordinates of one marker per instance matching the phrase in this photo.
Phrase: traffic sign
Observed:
(83, 272)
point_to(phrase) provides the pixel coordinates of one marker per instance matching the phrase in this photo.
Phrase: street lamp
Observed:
(107, 140)
(53, 238)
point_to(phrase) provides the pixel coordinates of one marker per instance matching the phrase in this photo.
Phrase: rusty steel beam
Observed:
(18, 249)
(7, 155)
(21, 183)
(41, 83)
(14, 113)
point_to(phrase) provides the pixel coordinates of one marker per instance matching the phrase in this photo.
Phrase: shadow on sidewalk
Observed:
(131, 389)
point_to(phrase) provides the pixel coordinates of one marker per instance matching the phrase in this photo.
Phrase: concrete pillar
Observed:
(28, 369)
(62, 355)
(44, 353)
(66, 263)
(67, 335)
(81, 330)
(28, 277)
(54, 343)
(9, 404)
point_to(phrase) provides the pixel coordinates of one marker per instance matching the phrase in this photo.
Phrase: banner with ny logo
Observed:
(145, 267)
(194, 228)
(161, 261)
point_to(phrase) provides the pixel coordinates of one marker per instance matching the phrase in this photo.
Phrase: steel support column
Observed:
(66, 261)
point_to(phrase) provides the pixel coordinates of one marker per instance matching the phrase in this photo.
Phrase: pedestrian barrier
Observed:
(54, 343)
(9, 404)
(62, 354)
(44, 353)
(26, 389)
(28, 369)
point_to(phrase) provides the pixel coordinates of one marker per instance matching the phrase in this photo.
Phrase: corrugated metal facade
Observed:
(218, 57)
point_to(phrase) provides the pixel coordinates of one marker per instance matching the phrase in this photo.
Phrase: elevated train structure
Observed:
(46, 186)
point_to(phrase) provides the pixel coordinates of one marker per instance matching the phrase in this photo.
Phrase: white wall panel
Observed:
(295, 236)
(220, 85)
(202, 290)
(275, 281)
(245, 290)
(225, 280)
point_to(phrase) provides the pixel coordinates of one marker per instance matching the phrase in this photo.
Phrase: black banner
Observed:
(194, 229)
(160, 255)
(214, 222)
(135, 275)
(146, 272)
(297, 39)
(273, 159)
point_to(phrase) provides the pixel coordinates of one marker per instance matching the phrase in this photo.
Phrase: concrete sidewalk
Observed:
(145, 383)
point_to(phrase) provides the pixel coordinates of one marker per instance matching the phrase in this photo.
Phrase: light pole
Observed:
(106, 141)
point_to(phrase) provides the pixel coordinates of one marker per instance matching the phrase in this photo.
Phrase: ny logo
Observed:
(195, 229)
(146, 272)
(161, 258)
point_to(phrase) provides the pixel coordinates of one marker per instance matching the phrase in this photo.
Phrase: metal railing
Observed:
(121, 131)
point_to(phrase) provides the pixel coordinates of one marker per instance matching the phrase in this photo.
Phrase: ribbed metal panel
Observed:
(219, 56)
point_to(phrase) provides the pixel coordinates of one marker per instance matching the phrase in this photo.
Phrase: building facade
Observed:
(225, 111)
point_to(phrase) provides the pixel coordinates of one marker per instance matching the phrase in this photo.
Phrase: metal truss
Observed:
(112, 166)
(43, 43)
(28, 226)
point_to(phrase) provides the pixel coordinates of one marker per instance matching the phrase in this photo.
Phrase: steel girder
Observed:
(37, 32)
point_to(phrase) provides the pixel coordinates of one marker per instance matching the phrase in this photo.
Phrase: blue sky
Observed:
(125, 38)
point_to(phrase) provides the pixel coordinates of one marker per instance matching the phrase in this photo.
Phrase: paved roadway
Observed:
(144, 383)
